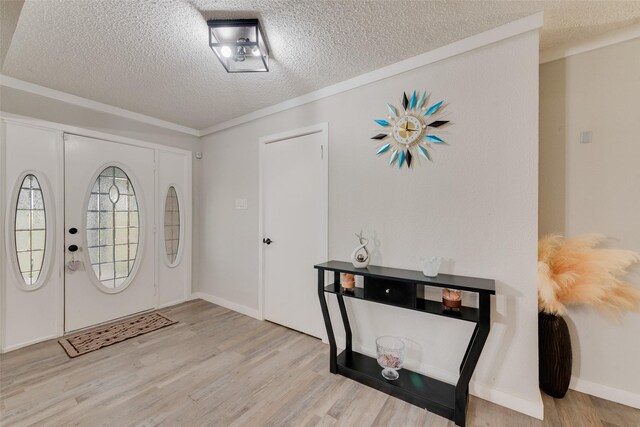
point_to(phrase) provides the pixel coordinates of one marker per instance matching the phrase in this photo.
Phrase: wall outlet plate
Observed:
(241, 203)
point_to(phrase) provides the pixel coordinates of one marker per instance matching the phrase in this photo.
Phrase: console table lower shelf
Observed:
(428, 393)
(395, 287)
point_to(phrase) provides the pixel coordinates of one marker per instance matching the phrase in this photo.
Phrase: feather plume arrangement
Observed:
(575, 271)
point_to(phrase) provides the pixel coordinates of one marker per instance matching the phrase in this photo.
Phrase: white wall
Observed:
(586, 188)
(476, 205)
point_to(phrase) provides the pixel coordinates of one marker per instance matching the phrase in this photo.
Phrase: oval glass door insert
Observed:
(30, 230)
(171, 225)
(113, 228)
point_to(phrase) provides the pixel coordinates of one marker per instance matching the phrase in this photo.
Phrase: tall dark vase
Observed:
(554, 354)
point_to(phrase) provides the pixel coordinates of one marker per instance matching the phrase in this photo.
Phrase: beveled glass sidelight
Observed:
(171, 225)
(113, 227)
(30, 230)
(239, 44)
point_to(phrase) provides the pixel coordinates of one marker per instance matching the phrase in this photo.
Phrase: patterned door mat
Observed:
(103, 336)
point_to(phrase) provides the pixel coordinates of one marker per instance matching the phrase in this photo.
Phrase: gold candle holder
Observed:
(451, 299)
(348, 281)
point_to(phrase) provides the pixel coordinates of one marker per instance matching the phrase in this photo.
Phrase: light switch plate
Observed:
(586, 137)
(241, 203)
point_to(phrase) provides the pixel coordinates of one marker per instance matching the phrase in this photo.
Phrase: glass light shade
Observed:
(239, 45)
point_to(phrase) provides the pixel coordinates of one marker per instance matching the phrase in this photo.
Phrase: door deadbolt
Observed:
(268, 241)
(73, 230)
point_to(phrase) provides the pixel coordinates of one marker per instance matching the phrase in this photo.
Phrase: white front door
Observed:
(295, 220)
(109, 231)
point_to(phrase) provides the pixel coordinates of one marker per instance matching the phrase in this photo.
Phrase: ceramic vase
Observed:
(555, 357)
(360, 255)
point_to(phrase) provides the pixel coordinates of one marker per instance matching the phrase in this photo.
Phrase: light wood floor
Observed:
(220, 368)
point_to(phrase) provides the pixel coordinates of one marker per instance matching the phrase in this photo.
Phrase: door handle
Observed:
(73, 248)
(268, 241)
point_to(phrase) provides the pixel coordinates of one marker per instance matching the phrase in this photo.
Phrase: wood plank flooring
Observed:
(220, 368)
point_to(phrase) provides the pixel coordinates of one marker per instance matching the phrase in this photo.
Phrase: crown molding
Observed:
(511, 29)
(620, 35)
(520, 26)
(88, 133)
(14, 83)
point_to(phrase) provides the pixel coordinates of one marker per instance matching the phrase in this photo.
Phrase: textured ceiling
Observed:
(152, 56)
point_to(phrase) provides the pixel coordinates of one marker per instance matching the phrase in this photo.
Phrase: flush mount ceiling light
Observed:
(239, 45)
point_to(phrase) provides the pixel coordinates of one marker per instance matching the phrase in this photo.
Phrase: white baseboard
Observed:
(28, 343)
(605, 392)
(169, 304)
(532, 408)
(251, 312)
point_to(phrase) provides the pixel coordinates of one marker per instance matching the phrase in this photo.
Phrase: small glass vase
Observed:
(431, 266)
(390, 356)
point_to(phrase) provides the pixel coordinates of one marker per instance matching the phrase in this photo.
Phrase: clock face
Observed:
(407, 130)
(407, 133)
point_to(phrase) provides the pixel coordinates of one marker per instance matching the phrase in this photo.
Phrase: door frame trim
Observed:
(321, 128)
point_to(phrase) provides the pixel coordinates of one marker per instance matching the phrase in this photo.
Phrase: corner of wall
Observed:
(242, 309)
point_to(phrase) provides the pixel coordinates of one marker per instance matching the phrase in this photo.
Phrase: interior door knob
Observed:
(267, 241)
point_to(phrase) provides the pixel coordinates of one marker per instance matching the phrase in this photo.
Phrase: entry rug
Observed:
(107, 335)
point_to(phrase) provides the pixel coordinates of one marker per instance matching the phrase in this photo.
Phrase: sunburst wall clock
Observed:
(409, 129)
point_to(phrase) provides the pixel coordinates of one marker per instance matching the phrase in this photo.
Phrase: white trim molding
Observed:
(619, 35)
(605, 392)
(30, 342)
(3, 254)
(14, 83)
(511, 29)
(532, 408)
(242, 309)
(520, 26)
(171, 304)
(74, 130)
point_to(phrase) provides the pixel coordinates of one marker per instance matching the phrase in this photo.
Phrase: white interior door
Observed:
(109, 222)
(295, 219)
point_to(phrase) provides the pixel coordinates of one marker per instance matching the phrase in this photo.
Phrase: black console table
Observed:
(396, 287)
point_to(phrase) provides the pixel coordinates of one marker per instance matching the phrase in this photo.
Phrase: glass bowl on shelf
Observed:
(390, 352)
